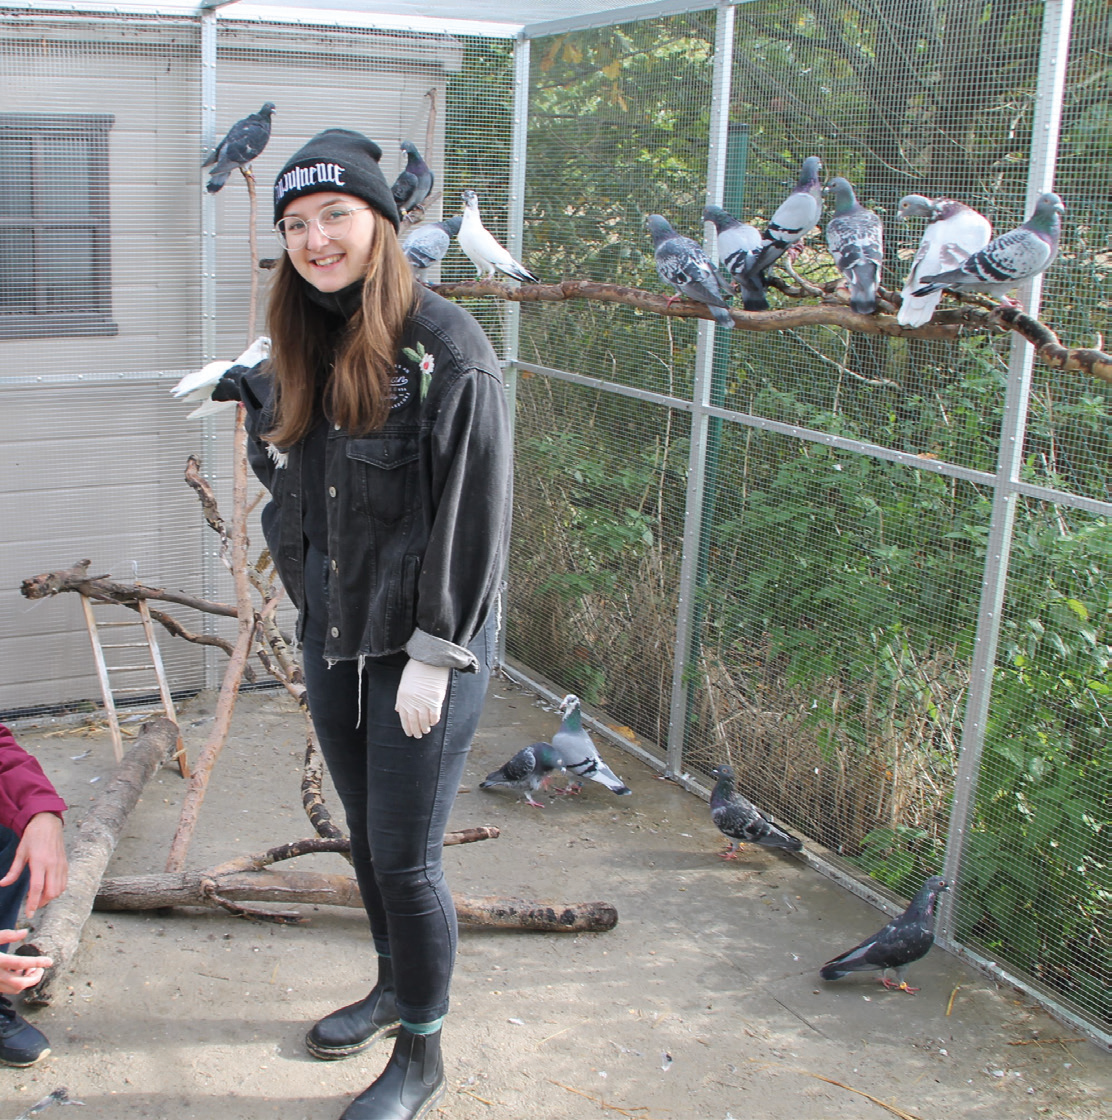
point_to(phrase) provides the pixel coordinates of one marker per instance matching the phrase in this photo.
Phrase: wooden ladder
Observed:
(151, 663)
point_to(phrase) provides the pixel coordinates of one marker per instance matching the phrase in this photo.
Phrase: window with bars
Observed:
(55, 278)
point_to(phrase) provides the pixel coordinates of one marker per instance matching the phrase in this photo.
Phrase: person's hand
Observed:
(421, 696)
(17, 973)
(42, 849)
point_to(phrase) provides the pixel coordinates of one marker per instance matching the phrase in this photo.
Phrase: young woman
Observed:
(380, 427)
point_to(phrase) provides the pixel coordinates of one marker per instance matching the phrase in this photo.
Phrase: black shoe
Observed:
(355, 1027)
(20, 1043)
(410, 1085)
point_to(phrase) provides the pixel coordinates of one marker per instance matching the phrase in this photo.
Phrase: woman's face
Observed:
(332, 264)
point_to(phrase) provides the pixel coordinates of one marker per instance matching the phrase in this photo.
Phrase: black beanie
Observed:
(336, 159)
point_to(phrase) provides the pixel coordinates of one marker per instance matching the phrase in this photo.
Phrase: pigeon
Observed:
(243, 142)
(578, 753)
(428, 243)
(484, 252)
(682, 263)
(528, 770)
(412, 186)
(792, 220)
(213, 384)
(740, 820)
(1009, 259)
(902, 942)
(954, 231)
(737, 242)
(856, 241)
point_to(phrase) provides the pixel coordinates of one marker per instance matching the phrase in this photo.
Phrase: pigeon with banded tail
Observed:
(483, 249)
(1009, 259)
(579, 754)
(413, 184)
(855, 238)
(681, 262)
(954, 232)
(528, 770)
(241, 144)
(792, 220)
(902, 942)
(738, 819)
(737, 243)
(429, 242)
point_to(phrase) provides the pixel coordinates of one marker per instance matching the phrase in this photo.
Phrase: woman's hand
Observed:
(18, 973)
(421, 696)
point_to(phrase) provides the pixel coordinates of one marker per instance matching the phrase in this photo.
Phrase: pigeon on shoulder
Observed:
(429, 242)
(902, 942)
(483, 249)
(681, 262)
(528, 770)
(413, 184)
(579, 754)
(216, 385)
(738, 819)
(241, 144)
(855, 238)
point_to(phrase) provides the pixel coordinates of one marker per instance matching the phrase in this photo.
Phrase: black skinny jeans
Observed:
(397, 793)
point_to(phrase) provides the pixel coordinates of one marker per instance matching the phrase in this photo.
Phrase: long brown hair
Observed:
(357, 391)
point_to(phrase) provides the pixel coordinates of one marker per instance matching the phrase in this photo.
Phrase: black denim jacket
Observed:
(418, 511)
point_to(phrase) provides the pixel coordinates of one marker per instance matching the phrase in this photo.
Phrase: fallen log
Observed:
(58, 933)
(227, 889)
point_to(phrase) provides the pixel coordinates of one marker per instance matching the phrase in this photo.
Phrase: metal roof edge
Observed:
(622, 14)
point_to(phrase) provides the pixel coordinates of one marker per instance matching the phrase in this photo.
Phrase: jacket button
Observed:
(332, 491)
(335, 631)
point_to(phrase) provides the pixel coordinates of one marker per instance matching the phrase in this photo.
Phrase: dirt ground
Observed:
(703, 1003)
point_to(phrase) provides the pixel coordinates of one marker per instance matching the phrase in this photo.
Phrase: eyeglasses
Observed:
(332, 221)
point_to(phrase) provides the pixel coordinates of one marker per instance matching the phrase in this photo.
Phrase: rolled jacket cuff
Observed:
(437, 651)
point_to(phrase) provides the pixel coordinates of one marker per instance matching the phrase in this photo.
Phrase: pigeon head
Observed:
(410, 149)
(722, 219)
(916, 206)
(927, 895)
(809, 173)
(723, 773)
(844, 198)
(267, 109)
(470, 200)
(1047, 218)
(660, 229)
(569, 703)
(451, 225)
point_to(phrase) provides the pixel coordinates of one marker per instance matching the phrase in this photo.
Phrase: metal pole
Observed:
(686, 614)
(1053, 56)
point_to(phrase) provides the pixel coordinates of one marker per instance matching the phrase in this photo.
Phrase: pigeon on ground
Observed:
(737, 242)
(528, 770)
(412, 186)
(855, 238)
(481, 247)
(578, 753)
(792, 220)
(216, 384)
(1009, 259)
(738, 819)
(243, 142)
(428, 243)
(682, 263)
(954, 232)
(902, 942)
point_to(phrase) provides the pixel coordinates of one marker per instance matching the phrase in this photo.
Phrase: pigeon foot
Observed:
(535, 804)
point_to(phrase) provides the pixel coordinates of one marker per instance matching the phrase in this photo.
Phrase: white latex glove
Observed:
(421, 696)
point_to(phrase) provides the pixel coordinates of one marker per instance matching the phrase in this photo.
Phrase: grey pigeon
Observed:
(793, 219)
(428, 243)
(954, 232)
(1009, 259)
(855, 238)
(902, 942)
(242, 143)
(485, 252)
(528, 770)
(682, 263)
(412, 186)
(737, 243)
(578, 752)
(738, 819)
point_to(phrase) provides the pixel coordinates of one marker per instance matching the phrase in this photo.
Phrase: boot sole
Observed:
(335, 1053)
(24, 1064)
(432, 1102)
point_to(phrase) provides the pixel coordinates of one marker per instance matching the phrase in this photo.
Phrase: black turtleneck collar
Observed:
(342, 304)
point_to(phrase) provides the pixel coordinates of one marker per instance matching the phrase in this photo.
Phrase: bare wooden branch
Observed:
(209, 507)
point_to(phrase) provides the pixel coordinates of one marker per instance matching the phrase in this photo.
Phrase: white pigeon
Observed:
(480, 245)
(954, 232)
(198, 386)
(579, 754)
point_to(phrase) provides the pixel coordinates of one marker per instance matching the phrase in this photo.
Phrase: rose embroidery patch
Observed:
(424, 362)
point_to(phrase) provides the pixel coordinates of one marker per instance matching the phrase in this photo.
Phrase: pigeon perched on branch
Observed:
(681, 262)
(216, 384)
(737, 243)
(1009, 259)
(481, 247)
(579, 754)
(413, 185)
(738, 819)
(528, 770)
(954, 232)
(242, 143)
(902, 942)
(792, 220)
(855, 238)
(428, 243)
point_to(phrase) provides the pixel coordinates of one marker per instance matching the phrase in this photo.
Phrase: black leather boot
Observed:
(410, 1085)
(355, 1027)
